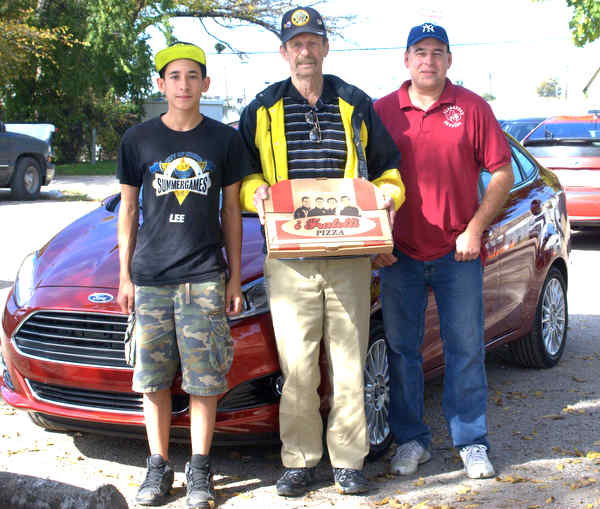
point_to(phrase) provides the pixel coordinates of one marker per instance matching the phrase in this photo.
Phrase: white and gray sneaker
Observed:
(477, 464)
(408, 457)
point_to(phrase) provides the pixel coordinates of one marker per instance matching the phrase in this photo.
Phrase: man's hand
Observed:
(261, 193)
(383, 260)
(389, 206)
(233, 298)
(468, 246)
(126, 296)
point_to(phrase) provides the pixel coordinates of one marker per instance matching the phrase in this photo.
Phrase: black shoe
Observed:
(158, 482)
(350, 481)
(294, 482)
(200, 489)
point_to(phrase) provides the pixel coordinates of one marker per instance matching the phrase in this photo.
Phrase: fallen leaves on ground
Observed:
(582, 483)
(512, 479)
(554, 417)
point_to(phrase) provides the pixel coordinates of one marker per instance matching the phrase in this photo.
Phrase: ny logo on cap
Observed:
(428, 28)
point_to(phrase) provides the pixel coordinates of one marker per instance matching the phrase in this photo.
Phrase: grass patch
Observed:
(100, 168)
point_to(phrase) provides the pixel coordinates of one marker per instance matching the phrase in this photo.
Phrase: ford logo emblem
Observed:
(97, 298)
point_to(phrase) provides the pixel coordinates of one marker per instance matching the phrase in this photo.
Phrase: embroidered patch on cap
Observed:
(300, 17)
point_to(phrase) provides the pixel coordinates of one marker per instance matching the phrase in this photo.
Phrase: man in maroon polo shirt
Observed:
(446, 134)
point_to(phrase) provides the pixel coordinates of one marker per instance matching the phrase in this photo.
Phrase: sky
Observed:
(503, 47)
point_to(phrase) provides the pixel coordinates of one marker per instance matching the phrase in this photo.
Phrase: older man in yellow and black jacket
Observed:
(315, 125)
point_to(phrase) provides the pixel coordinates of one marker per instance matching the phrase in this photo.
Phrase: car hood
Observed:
(86, 253)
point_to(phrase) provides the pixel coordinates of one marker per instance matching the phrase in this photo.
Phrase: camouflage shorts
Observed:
(182, 324)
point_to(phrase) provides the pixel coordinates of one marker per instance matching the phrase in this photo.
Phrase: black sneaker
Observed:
(350, 481)
(158, 481)
(200, 489)
(294, 482)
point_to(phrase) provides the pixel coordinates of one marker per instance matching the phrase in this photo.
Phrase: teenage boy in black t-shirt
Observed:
(173, 272)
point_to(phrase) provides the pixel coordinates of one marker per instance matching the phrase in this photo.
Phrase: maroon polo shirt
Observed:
(443, 151)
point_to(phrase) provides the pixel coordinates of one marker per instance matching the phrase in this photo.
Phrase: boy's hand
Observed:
(233, 298)
(126, 296)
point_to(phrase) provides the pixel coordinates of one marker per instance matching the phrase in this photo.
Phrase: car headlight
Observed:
(254, 300)
(25, 284)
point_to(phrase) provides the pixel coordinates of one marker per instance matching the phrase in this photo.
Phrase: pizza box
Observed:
(326, 217)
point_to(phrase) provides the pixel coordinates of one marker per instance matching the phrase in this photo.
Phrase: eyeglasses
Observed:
(313, 119)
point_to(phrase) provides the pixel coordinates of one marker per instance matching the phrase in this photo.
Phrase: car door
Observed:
(5, 150)
(433, 355)
(521, 228)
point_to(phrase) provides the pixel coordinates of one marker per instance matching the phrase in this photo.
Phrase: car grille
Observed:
(123, 402)
(77, 338)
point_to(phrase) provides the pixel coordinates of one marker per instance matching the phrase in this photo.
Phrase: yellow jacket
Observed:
(371, 152)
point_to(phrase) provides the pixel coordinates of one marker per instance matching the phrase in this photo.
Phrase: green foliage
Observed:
(99, 82)
(22, 41)
(84, 64)
(549, 88)
(489, 97)
(585, 23)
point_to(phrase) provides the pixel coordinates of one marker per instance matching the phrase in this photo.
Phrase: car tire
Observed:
(42, 422)
(27, 180)
(544, 345)
(377, 392)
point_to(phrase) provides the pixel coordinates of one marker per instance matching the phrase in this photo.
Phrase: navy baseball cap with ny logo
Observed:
(425, 31)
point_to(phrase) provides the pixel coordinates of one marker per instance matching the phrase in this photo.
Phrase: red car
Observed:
(570, 146)
(62, 331)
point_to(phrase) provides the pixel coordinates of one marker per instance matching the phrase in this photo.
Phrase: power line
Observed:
(396, 48)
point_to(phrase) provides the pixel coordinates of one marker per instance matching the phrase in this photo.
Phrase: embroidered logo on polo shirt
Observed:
(454, 116)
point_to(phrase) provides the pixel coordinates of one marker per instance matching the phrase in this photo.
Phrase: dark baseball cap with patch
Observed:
(425, 31)
(301, 20)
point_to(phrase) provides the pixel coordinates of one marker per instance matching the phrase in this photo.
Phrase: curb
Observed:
(27, 492)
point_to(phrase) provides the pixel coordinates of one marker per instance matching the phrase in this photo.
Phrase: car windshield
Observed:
(519, 129)
(567, 131)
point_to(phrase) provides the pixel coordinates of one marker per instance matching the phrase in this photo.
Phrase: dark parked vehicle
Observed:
(62, 330)
(25, 163)
(518, 128)
(570, 147)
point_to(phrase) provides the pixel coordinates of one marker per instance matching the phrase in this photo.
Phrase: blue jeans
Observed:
(458, 290)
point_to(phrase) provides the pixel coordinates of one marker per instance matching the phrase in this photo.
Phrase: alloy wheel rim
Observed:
(31, 179)
(553, 317)
(377, 392)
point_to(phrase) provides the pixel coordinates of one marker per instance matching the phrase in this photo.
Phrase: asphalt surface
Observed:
(544, 425)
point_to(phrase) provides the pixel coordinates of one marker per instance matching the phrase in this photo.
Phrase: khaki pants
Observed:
(311, 300)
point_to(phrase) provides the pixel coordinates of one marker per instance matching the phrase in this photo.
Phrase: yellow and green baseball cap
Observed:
(179, 50)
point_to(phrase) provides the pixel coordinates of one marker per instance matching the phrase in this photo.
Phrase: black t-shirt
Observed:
(181, 175)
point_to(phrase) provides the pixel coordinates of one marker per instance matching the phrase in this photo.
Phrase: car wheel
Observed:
(544, 345)
(42, 422)
(27, 180)
(377, 392)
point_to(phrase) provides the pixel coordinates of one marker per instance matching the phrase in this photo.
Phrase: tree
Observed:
(22, 41)
(92, 65)
(549, 88)
(585, 23)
